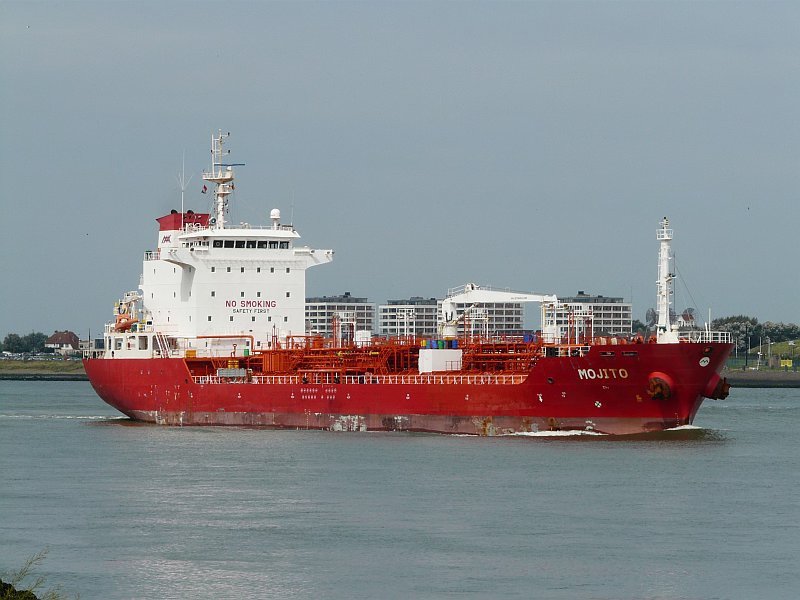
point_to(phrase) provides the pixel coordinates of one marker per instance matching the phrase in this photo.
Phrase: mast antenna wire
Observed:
(682, 279)
(183, 182)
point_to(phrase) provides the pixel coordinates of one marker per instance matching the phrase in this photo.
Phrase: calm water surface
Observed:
(140, 511)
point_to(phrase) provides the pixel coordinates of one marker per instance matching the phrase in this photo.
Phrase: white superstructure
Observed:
(666, 331)
(209, 285)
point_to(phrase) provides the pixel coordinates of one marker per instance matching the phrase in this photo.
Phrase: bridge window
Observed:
(262, 244)
(251, 243)
(240, 243)
(229, 243)
(273, 244)
(284, 244)
(217, 243)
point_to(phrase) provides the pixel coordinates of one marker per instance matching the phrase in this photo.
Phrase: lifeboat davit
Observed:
(124, 323)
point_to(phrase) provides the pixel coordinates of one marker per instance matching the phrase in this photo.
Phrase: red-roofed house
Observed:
(63, 342)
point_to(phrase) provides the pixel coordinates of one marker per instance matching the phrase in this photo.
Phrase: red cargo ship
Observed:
(211, 338)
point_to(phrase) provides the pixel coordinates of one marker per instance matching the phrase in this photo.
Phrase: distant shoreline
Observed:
(73, 371)
(42, 370)
(43, 376)
(762, 379)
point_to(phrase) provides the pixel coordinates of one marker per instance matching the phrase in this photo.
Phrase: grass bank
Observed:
(42, 369)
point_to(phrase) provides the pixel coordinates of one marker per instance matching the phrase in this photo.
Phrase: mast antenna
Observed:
(221, 175)
(183, 182)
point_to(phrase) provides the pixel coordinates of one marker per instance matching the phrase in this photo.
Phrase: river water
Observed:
(139, 511)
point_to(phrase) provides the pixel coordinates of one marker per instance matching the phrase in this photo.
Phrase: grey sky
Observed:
(525, 145)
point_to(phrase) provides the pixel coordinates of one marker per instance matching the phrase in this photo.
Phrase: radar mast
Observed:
(221, 175)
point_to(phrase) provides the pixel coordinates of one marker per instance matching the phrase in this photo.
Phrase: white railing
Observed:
(702, 336)
(193, 227)
(408, 379)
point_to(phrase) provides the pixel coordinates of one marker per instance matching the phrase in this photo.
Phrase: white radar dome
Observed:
(275, 213)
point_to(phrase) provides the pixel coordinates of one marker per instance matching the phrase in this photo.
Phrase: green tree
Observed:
(13, 343)
(34, 342)
(638, 327)
(742, 328)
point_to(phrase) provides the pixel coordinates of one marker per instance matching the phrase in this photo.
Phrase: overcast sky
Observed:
(529, 145)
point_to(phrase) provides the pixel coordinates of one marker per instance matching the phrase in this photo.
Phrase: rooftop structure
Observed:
(608, 315)
(355, 313)
(415, 316)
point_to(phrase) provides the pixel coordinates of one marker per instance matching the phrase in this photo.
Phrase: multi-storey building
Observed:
(320, 312)
(609, 315)
(415, 316)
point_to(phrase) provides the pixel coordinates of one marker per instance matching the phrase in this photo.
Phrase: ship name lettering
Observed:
(602, 374)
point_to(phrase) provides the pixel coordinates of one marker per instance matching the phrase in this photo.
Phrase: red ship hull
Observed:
(607, 391)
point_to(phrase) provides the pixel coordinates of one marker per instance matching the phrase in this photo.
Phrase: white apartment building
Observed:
(320, 313)
(415, 316)
(610, 315)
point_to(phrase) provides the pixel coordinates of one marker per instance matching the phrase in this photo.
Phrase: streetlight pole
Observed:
(746, 346)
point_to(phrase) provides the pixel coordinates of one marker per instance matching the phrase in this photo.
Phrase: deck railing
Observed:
(703, 336)
(331, 379)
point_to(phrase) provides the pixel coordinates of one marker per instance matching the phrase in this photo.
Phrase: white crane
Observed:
(473, 294)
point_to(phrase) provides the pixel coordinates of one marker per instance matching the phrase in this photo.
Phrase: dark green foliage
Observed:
(33, 342)
(8, 592)
(22, 584)
(748, 333)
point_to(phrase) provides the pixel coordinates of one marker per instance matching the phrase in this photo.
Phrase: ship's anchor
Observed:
(659, 389)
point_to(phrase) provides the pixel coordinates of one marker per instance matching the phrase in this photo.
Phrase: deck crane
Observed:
(474, 294)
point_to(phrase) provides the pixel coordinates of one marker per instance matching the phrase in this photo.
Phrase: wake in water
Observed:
(680, 433)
